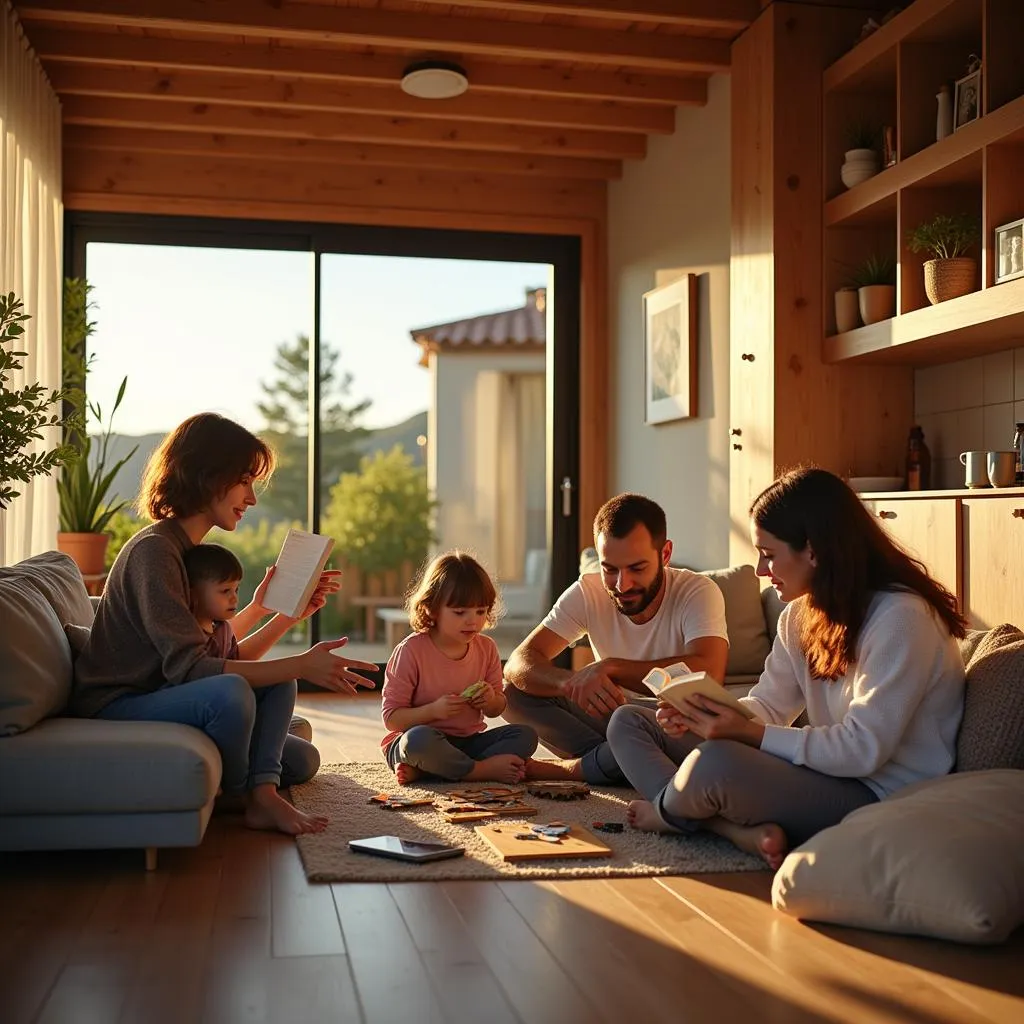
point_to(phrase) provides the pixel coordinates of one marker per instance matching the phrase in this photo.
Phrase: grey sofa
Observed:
(72, 783)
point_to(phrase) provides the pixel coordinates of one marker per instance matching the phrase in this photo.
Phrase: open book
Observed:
(676, 682)
(302, 559)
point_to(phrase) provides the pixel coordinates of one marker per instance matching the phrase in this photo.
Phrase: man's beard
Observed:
(638, 602)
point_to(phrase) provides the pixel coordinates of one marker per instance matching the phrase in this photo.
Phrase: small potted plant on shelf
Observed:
(949, 273)
(862, 160)
(86, 501)
(869, 295)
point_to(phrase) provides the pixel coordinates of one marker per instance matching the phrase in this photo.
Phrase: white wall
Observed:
(669, 214)
(463, 433)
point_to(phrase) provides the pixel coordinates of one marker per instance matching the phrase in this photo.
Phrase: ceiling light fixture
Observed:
(434, 80)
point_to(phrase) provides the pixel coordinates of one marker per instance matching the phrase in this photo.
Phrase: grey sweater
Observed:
(145, 637)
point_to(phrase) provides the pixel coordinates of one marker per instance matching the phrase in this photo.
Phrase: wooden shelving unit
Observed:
(891, 79)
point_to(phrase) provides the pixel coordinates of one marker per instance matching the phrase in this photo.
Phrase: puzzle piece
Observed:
(559, 790)
(608, 826)
(394, 802)
(483, 794)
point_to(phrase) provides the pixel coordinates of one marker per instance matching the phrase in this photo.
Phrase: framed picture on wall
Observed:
(670, 351)
(1009, 251)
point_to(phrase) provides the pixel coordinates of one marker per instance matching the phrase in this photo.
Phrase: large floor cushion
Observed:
(91, 766)
(992, 732)
(943, 858)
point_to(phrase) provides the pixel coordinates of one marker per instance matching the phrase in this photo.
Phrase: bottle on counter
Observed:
(919, 461)
(1018, 447)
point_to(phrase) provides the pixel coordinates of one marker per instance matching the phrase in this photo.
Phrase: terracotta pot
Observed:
(847, 310)
(948, 279)
(89, 550)
(877, 302)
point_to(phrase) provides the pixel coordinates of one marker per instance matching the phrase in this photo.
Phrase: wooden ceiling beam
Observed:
(361, 26)
(261, 58)
(254, 147)
(145, 174)
(273, 122)
(732, 15)
(213, 87)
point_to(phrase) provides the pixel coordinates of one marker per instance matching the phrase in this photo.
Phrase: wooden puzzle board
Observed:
(577, 843)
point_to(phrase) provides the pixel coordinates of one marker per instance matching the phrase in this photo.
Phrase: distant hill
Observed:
(129, 477)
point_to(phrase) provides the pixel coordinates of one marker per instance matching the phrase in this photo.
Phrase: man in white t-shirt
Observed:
(638, 613)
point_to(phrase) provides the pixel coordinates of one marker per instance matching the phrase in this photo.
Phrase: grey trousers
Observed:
(690, 780)
(569, 731)
(453, 757)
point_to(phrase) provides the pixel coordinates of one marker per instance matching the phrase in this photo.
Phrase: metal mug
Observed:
(976, 464)
(1002, 468)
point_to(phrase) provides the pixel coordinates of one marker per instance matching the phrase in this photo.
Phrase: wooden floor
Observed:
(232, 931)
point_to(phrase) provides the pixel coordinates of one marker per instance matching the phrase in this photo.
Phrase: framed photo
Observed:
(967, 101)
(670, 351)
(1009, 251)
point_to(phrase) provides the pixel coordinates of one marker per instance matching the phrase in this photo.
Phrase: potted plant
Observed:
(947, 237)
(862, 157)
(875, 281)
(25, 412)
(84, 490)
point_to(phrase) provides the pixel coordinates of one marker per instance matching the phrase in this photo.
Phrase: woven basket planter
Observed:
(947, 279)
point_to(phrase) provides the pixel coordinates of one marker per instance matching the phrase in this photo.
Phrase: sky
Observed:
(197, 329)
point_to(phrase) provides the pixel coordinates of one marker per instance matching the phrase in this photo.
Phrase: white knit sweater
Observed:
(891, 720)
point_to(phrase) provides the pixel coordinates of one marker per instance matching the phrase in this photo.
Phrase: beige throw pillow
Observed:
(744, 615)
(942, 858)
(992, 732)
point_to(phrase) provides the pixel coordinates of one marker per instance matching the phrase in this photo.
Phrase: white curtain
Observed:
(31, 230)
(521, 473)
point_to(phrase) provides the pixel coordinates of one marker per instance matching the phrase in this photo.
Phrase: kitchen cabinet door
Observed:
(994, 561)
(928, 529)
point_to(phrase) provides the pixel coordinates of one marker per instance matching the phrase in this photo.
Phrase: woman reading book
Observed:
(866, 645)
(147, 659)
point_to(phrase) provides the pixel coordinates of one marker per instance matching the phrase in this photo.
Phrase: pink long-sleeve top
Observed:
(418, 673)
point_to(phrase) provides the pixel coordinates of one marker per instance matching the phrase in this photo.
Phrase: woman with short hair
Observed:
(866, 645)
(147, 658)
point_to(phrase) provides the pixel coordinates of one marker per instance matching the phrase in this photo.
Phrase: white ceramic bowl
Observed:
(870, 484)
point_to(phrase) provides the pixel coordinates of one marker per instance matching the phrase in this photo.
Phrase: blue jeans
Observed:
(248, 726)
(454, 757)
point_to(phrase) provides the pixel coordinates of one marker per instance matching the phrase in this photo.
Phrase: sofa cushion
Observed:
(35, 659)
(744, 616)
(58, 579)
(992, 732)
(939, 858)
(93, 766)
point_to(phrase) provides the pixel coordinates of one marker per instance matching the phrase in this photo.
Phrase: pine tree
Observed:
(285, 411)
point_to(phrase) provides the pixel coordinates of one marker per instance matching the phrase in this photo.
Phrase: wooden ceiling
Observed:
(561, 91)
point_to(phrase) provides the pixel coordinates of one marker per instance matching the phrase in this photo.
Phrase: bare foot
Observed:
(642, 815)
(500, 768)
(557, 769)
(268, 810)
(406, 773)
(767, 841)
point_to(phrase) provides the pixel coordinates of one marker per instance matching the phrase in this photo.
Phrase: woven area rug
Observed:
(341, 792)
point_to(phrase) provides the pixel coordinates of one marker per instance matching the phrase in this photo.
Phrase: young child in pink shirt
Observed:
(433, 727)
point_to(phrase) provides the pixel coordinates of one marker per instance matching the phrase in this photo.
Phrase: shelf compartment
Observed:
(985, 321)
(924, 21)
(919, 205)
(1004, 197)
(1003, 77)
(942, 162)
